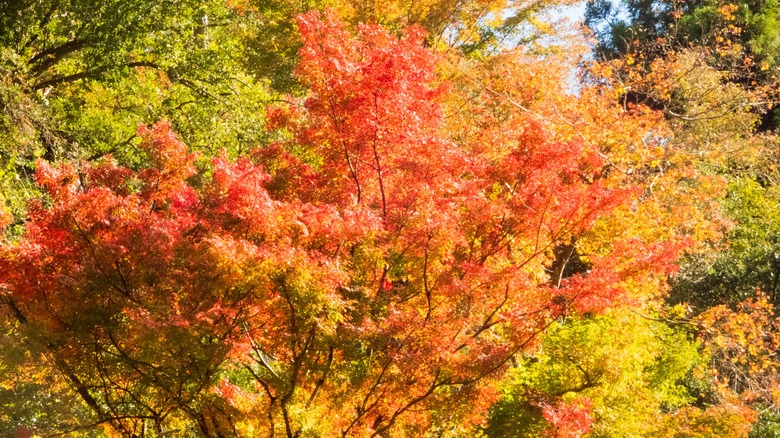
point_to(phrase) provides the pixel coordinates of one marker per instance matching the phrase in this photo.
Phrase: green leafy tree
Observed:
(635, 374)
(78, 77)
(748, 258)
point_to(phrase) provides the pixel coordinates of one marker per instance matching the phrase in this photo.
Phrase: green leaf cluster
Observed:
(634, 369)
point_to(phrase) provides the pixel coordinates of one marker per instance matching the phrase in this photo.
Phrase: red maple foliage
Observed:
(380, 279)
(569, 420)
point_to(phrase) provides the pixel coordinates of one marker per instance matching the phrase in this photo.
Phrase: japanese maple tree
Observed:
(373, 273)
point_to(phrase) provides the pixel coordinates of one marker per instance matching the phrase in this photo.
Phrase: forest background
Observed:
(316, 218)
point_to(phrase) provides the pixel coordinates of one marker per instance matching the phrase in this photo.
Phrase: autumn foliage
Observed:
(381, 280)
(426, 241)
